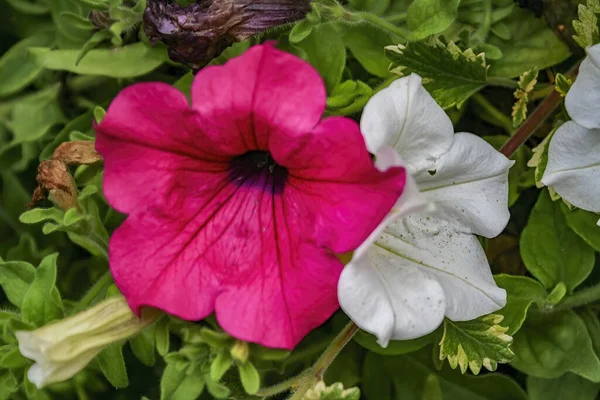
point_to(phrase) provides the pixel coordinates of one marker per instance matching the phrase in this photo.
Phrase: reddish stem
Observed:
(530, 125)
(541, 113)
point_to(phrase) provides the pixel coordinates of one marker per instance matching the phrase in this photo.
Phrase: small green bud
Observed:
(240, 351)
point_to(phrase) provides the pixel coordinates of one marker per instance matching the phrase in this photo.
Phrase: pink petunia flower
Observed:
(238, 204)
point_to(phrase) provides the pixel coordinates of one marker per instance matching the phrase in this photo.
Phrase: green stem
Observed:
(284, 386)
(307, 379)
(372, 19)
(395, 18)
(341, 340)
(98, 287)
(578, 299)
(502, 82)
(495, 116)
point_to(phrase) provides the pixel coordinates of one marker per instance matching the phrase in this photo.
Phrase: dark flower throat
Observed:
(258, 169)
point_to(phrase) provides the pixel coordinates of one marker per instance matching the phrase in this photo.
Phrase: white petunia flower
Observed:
(583, 99)
(423, 264)
(573, 168)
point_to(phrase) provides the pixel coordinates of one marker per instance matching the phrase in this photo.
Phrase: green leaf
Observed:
(268, 354)
(15, 278)
(300, 31)
(93, 41)
(366, 43)
(586, 26)
(450, 74)
(562, 84)
(191, 387)
(532, 44)
(163, 336)
(173, 375)
(112, 365)
(74, 21)
(430, 17)
(40, 303)
(232, 51)
(125, 62)
(539, 160)
(249, 377)
(477, 343)
(549, 345)
(521, 292)
(217, 390)
(38, 215)
(590, 319)
(568, 386)
(29, 7)
(583, 223)
(395, 347)
(552, 252)
(80, 123)
(557, 294)
(334, 392)
(184, 84)
(17, 68)
(377, 384)
(326, 52)
(348, 98)
(10, 357)
(99, 114)
(527, 82)
(411, 373)
(143, 346)
(216, 339)
(220, 365)
(33, 117)
(8, 385)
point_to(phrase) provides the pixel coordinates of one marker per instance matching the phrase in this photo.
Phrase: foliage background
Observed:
(64, 60)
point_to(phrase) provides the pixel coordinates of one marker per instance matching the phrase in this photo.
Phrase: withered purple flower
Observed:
(197, 32)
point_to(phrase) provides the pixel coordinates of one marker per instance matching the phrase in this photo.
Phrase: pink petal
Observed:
(291, 289)
(154, 151)
(248, 248)
(340, 183)
(261, 93)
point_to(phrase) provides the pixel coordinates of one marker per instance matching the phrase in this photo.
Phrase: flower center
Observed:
(258, 169)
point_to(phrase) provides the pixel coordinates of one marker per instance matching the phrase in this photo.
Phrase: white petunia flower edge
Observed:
(424, 262)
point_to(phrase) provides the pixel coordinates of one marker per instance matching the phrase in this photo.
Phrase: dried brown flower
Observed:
(196, 33)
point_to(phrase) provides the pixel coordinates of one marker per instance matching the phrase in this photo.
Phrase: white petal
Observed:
(470, 186)
(407, 118)
(455, 259)
(391, 301)
(573, 168)
(583, 99)
(31, 346)
(364, 299)
(411, 200)
(44, 374)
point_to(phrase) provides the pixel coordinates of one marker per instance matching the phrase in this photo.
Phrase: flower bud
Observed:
(240, 351)
(196, 33)
(62, 349)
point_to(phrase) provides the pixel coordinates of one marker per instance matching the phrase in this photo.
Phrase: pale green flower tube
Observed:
(62, 349)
